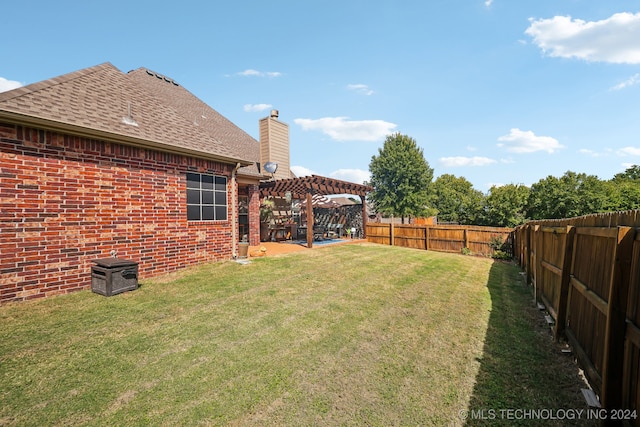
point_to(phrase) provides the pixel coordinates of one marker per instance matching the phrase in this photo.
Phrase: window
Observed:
(206, 197)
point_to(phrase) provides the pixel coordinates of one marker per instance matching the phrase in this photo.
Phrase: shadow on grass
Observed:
(523, 378)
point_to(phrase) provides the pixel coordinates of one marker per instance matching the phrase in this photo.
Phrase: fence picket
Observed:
(442, 238)
(599, 294)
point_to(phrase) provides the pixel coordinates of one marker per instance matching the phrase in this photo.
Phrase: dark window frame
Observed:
(206, 197)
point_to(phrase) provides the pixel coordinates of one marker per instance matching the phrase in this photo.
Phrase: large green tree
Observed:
(401, 177)
(624, 190)
(631, 173)
(506, 205)
(573, 194)
(456, 200)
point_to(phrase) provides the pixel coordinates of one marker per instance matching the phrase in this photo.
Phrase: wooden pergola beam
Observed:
(316, 184)
(305, 187)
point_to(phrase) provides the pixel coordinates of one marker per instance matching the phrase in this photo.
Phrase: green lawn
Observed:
(357, 334)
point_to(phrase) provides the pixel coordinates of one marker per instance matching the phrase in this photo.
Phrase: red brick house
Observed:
(97, 162)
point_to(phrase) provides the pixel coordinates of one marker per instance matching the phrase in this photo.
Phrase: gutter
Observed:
(234, 211)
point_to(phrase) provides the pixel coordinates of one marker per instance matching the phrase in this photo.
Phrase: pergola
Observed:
(305, 187)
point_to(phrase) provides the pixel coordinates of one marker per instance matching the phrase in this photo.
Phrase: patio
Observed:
(285, 247)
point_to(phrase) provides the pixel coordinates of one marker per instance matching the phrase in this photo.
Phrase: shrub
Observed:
(501, 255)
(499, 247)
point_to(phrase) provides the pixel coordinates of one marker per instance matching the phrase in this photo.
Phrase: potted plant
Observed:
(243, 247)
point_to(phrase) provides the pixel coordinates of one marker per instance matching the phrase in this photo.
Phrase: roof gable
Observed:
(104, 102)
(199, 113)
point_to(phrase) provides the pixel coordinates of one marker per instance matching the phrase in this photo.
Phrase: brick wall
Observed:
(254, 215)
(67, 200)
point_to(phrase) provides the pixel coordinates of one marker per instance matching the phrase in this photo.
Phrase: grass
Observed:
(344, 335)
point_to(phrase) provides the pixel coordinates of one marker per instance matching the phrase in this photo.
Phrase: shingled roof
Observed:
(139, 108)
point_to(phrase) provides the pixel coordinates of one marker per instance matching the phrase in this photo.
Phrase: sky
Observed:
(495, 91)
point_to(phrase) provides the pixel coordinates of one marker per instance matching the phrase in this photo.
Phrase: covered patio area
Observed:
(304, 188)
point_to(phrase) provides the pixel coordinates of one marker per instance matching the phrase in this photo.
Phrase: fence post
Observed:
(527, 252)
(391, 236)
(537, 268)
(613, 360)
(564, 281)
(426, 238)
(632, 336)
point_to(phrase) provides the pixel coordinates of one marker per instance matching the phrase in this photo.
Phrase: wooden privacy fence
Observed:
(586, 272)
(443, 238)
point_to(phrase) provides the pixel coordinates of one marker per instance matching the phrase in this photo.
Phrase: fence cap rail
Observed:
(630, 218)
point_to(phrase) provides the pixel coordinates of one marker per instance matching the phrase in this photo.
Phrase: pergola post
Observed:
(309, 221)
(364, 217)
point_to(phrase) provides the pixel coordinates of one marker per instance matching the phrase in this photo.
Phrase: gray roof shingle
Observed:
(140, 107)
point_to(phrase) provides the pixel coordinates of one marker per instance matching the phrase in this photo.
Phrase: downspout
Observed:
(234, 212)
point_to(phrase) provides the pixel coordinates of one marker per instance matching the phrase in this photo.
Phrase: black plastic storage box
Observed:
(113, 275)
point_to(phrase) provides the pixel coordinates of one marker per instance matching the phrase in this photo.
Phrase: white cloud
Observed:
(592, 153)
(519, 141)
(615, 39)
(588, 152)
(357, 176)
(629, 151)
(361, 89)
(6, 85)
(488, 3)
(256, 73)
(256, 107)
(302, 171)
(249, 73)
(343, 129)
(633, 80)
(465, 161)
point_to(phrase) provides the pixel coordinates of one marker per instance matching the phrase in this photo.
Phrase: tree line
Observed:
(404, 187)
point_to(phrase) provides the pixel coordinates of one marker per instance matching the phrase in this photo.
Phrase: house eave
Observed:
(38, 122)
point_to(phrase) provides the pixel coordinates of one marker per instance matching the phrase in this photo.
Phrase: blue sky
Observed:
(495, 91)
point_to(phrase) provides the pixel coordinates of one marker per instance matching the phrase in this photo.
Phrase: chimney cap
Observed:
(274, 114)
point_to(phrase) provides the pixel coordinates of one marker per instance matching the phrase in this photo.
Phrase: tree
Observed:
(573, 194)
(506, 205)
(400, 176)
(456, 200)
(624, 190)
(631, 173)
